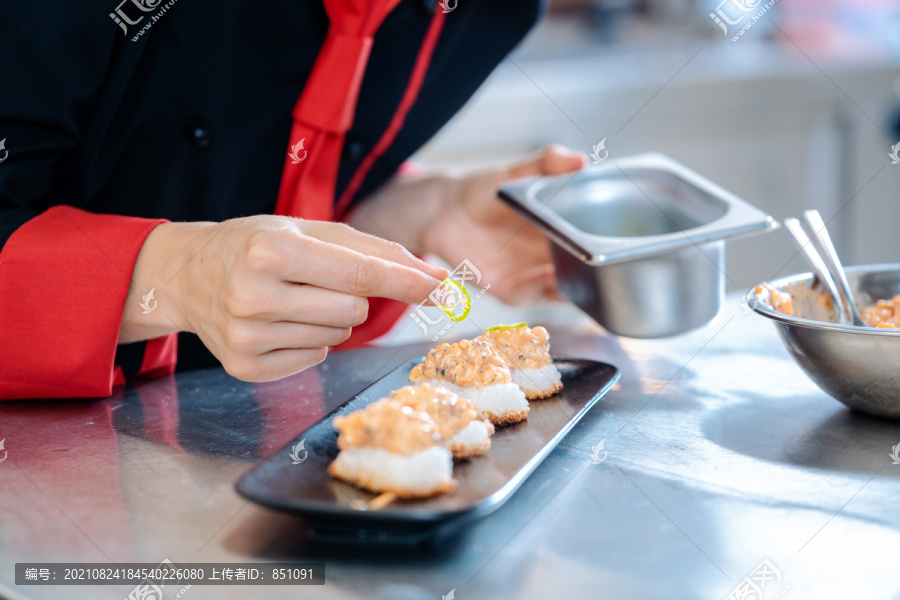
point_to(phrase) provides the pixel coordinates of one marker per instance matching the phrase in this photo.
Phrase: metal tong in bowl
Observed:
(818, 250)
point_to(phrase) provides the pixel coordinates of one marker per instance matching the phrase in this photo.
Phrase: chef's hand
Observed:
(458, 216)
(267, 295)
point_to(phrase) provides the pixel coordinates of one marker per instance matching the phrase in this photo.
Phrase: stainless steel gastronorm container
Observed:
(854, 365)
(639, 243)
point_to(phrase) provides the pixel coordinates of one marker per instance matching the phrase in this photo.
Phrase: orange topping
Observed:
(389, 425)
(450, 413)
(521, 347)
(467, 363)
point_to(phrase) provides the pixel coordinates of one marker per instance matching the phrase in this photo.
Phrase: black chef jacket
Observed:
(191, 121)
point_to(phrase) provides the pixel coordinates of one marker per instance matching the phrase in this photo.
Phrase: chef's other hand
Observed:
(267, 294)
(458, 216)
(514, 255)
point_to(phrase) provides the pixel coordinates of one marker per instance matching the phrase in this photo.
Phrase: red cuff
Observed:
(383, 314)
(64, 278)
(160, 358)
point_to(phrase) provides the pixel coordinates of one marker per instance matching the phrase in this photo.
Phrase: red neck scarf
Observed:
(323, 115)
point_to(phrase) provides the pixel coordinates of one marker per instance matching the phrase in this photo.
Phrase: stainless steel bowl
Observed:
(638, 243)
(854, 365)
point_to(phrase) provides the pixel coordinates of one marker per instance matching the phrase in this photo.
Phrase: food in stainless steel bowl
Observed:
(779, 300)
(884, 313)
(854, 365)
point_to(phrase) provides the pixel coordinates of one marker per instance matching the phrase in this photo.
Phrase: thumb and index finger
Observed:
(552, 160)
(340, 258)
(337, 257)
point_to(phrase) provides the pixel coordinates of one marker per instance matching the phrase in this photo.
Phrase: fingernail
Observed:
(437, 273)
(412, 256)
(434, 270)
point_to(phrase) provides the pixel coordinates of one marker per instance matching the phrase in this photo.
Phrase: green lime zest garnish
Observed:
(513, 326)
(453, 299)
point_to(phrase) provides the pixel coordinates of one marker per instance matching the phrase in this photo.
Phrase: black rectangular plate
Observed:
(485, 482)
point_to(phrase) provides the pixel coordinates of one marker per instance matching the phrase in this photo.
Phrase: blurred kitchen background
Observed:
(800, 112)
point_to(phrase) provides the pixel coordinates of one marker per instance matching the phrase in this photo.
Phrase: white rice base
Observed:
(476, 437)
(422, 473)
(536, 380)
(498, 398)
(472, 436)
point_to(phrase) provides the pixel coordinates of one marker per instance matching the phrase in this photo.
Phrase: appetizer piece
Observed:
(527, 353)
(456, 419)
(389, 447)
(471, 369)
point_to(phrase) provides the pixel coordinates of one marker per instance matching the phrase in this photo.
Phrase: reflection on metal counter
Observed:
(718, 454)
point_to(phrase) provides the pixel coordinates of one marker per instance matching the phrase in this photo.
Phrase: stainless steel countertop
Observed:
(721, 453)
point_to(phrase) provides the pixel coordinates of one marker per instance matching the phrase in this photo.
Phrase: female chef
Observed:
(202, 182)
